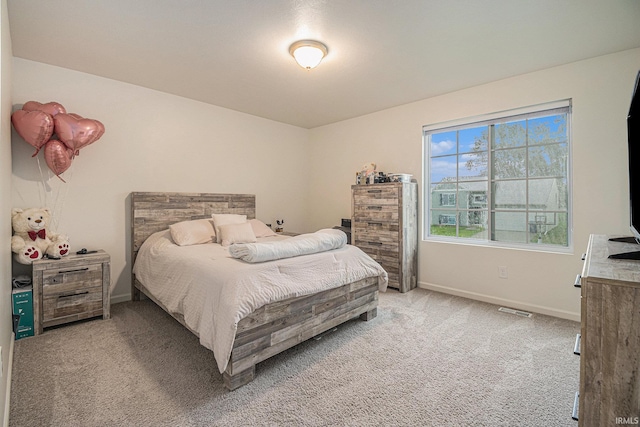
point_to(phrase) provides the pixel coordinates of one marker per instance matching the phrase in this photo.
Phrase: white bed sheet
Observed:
(214, 291)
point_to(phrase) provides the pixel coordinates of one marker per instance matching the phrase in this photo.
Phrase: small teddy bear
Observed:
(31, 239)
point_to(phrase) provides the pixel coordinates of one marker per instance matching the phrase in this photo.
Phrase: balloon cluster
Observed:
(37, 124)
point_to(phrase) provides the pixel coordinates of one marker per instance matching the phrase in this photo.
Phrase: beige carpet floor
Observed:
(427, 359)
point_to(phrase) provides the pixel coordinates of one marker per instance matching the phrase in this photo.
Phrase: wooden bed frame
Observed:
(272, 328)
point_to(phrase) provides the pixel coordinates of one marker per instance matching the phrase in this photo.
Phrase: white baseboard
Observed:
(120, 298)
(7, 395)
(502, 301)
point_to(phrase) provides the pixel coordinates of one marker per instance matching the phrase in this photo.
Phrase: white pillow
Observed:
(236, 233)
(260, 229)
(194, 232)
(224, 219)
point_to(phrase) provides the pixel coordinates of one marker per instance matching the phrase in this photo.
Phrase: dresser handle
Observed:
(577, 282)
(375, 223)
(374, 191)
(576, 347)
(574, 413)
(73, 271)
(375, 243)
(72, 295)
(374, 208)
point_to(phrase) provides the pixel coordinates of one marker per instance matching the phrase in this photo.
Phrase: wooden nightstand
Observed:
(72, 288)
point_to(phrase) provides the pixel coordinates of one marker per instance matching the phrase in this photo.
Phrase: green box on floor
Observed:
(23, 306)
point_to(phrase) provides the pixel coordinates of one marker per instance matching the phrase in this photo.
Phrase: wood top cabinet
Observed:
(610, 336)
(384, 224)
(72, 288)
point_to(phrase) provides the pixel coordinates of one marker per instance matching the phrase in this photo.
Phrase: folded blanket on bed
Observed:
(304, 244)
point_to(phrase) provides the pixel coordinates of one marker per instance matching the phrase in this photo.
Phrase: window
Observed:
(447, 199)
(501, 180)
(447, 219)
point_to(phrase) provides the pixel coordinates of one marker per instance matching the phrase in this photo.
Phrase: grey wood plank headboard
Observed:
(152, 212)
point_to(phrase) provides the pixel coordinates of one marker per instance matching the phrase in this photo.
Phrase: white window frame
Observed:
(563, 106)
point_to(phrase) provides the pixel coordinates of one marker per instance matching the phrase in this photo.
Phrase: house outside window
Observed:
(503, 179)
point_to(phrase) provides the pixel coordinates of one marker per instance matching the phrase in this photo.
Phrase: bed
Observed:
(266, 329)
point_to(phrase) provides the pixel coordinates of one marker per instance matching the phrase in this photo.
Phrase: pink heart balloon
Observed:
(77, 132)
(57, 156)
(35, 127)
(51, 108)
(98, 124)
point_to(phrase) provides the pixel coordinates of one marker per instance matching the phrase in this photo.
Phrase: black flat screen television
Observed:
(633, 139)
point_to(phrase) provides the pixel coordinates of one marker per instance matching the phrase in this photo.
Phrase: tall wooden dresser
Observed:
(609, 336)
(384, 224)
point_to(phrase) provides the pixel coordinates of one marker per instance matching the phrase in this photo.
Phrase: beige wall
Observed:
(600, 89)
(6, 331)
(153, 142)
(160, 142)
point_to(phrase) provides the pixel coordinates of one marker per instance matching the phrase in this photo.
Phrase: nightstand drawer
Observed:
(60, 306)
(74, 291)
(71, 279)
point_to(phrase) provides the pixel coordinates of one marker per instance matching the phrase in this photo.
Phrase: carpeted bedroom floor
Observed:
(428, 359)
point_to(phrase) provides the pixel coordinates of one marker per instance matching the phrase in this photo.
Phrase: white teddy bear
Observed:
(32, 240)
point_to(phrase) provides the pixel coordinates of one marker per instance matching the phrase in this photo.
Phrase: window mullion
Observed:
(491, 202)
(526, 186)
(457, 200)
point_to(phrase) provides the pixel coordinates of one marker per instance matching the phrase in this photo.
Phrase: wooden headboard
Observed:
(152, 212)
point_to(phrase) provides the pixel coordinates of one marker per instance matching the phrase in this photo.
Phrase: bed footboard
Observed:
(282, 325)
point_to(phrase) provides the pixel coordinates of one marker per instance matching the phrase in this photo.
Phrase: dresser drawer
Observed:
(376, 225)
(381, 195)
(389, 262)
(384, 258)
(376, 247)
(391, 268)
(368, 234)
(394, 280)
(375, 213)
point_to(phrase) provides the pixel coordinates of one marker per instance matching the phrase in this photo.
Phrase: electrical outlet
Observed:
(502, 272)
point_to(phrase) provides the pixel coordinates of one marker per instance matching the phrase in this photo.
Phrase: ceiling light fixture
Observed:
(308, 53)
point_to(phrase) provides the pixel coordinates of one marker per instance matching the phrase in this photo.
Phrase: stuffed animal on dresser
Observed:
(32, 239)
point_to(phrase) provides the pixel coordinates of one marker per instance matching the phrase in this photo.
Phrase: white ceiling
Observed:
(382, 53)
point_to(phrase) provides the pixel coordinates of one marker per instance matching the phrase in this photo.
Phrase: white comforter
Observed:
(304, 244)
(214, 291)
